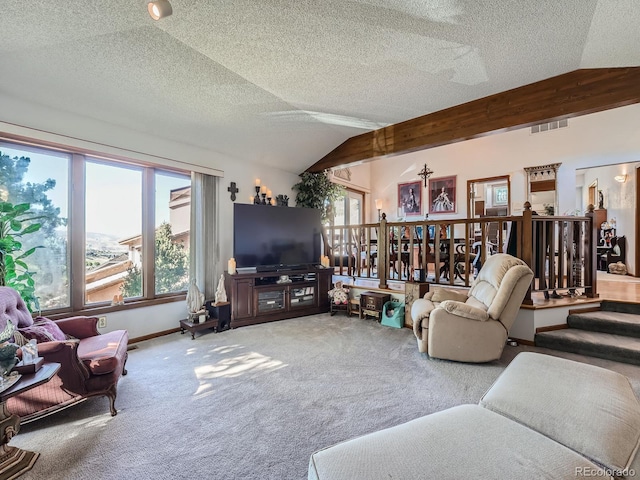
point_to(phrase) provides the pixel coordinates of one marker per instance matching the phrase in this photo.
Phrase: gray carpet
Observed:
(255, 402)
(612, 333)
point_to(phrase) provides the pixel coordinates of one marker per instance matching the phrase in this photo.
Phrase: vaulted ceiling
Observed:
(284, 83)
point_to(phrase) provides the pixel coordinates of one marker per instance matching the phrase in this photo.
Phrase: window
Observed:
(111, 224)
(348, 209)
(41, 178)
(113, 232)
(173, 215)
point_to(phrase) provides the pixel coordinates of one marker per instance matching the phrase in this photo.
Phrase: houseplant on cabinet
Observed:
(315, 190)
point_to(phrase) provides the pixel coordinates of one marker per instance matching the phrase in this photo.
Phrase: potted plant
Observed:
(315, 190)
(17, 221)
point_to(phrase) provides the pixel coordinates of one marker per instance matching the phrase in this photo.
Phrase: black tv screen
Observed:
(271, 238)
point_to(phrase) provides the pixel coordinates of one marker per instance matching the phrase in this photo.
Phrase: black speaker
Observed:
(221, 311)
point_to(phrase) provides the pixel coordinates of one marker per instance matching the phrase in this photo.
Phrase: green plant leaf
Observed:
(29, 252)
(21, 208)
(7, 244)
(22, 264)
(12, 219)
(34, 227)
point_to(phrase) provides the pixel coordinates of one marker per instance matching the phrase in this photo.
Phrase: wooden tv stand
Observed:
(258, 297)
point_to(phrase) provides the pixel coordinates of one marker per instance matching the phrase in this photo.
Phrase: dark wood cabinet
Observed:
(242, 288)
(259, 297)
(371, 303)
(599, 217)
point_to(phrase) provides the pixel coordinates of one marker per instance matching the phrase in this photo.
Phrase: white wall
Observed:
(245, 174)
(619, 201)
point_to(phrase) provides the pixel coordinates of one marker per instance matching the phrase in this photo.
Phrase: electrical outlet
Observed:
(102, 322)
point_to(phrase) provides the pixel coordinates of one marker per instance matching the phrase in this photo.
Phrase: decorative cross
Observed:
(233, 189)
(425, 173)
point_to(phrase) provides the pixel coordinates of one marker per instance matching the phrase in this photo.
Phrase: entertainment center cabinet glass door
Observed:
(285, 297)
(272, 299)
(302, 295)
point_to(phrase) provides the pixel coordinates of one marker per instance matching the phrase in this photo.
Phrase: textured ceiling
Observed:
(283, 83)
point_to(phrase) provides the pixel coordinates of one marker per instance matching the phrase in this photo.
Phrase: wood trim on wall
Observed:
(568, 95)
(552, 328)
(636, 271)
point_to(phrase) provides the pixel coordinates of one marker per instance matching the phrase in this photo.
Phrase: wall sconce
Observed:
(233, 189)
(379, 207)
(620, 178)
(159, 9)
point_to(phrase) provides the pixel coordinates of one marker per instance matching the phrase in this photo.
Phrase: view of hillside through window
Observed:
(113, 229)
(113, 195)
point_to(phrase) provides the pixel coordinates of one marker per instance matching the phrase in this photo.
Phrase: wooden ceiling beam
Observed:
(569, 95)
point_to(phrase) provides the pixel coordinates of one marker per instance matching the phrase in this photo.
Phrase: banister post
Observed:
(591, 274)
(527, 246)
(383, 252)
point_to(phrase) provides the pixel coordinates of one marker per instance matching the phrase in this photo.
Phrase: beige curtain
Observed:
(204, 245)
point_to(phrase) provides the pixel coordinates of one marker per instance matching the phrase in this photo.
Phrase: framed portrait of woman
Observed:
(410, 198)
(442, 195)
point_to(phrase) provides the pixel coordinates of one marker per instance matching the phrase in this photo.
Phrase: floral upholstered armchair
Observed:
(90, 363)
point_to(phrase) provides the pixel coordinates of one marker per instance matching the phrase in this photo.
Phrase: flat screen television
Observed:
(276, 238)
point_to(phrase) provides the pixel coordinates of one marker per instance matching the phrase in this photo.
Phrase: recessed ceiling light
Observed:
(159, 9)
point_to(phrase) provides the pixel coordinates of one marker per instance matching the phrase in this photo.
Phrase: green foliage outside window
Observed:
(171, 264)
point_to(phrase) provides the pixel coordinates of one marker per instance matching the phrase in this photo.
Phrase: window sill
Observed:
(93, 311)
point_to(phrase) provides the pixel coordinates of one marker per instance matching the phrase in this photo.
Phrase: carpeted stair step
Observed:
(606, 322)
(595, 344)
(622, 307)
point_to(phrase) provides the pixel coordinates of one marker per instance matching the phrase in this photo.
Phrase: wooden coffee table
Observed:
(15, 461)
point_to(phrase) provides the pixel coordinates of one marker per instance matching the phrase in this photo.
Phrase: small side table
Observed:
(15, 461)
(371, 303)
(195, 327)
(219, 319)
(354, 306)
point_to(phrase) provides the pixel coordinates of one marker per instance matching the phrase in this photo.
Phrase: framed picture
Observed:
(442, 195)
(500, 195)
(410, 198)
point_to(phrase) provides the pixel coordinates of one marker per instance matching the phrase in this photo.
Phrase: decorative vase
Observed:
(8, 358)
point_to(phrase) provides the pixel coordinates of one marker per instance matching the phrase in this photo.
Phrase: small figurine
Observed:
(221, 293)
(195, 300)
(600, 200)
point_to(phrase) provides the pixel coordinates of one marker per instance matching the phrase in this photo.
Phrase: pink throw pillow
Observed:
(43, 330)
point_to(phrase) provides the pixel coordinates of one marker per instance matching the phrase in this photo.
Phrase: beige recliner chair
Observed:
(473, 326)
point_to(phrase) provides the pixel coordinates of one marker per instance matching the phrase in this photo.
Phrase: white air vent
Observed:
(545, 127)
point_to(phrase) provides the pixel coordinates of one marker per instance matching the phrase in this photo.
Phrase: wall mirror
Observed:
(489, 197)
(542, 190)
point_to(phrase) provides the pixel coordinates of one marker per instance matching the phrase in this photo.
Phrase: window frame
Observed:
(76, 229)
